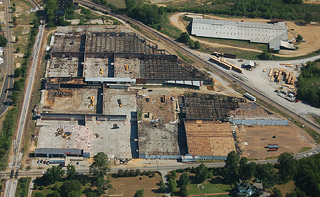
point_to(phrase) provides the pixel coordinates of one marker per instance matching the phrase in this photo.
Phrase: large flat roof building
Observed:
(271, 34)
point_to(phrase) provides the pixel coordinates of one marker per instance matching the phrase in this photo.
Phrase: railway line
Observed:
(230, 78)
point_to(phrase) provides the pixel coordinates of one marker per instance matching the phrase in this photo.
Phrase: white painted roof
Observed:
(254, 32)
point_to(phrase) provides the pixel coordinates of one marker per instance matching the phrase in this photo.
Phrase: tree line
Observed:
(268, 9)
(309, 84)
(73, 183)
(50, 12)
(305, 173)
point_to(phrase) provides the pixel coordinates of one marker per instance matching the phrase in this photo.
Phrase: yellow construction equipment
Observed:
(101, 71)
(91, 101)
(119, 102)
(126, 67)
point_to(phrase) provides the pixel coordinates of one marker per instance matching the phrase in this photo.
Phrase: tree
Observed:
(132, 173)
(139, 193)
(120, 173)
(246, 170)
(3, 41)
(71, 171)
(184, 179)
(265, 55)
(138, 172)
(53, 174)
(299, 38)
(54, 194)
(51, 8)
(71, 188)
(287, 166)
(91, 194)
(276, 192)
(183, 191)
(308, 17)
(100, 165)
(266, 173)
(231, 169)
(184, 38)
(197, 45)
(201, 173)
(39, 194)
(172, 184)
(17, 72)
(18, 50)
(99, 169)
(162, 188)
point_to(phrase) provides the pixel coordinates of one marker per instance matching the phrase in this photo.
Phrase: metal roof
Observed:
(109, 79)
(254, 32)
(59, 151)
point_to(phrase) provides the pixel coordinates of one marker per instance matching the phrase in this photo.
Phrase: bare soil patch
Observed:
(254, 139)
(127, 186)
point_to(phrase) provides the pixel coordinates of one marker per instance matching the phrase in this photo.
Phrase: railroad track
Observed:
(229, 78)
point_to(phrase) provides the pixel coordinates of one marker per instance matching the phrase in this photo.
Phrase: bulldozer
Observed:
(91, 101)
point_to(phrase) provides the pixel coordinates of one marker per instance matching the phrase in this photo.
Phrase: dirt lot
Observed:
(253, 140)
(308, 32)
(129, 185)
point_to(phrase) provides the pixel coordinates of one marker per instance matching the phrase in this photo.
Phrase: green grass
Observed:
(275, 157)
(304, 149)
(236, 43)
(118, 3)
(313, 134)
(24, 17)
(316, 118)
(46, 190)
(185, 58)
(241, 54)
(23, 187)
(209, 188)
(170, 30)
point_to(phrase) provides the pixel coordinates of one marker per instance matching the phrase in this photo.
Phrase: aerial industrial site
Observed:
(119, 93)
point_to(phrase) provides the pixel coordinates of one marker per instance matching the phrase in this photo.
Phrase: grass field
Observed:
(24, 16)
(170, 30)
(23, 187)
(286, 188)
(316, 118)
(185, 58)
(127, 186)
(236, 43)
(209, 188)
(118, 3)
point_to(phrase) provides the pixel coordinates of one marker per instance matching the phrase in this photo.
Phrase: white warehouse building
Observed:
(276, 34)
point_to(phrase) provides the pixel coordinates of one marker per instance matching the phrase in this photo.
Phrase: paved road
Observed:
(6, 89)
(10, 190)
(37, 173)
